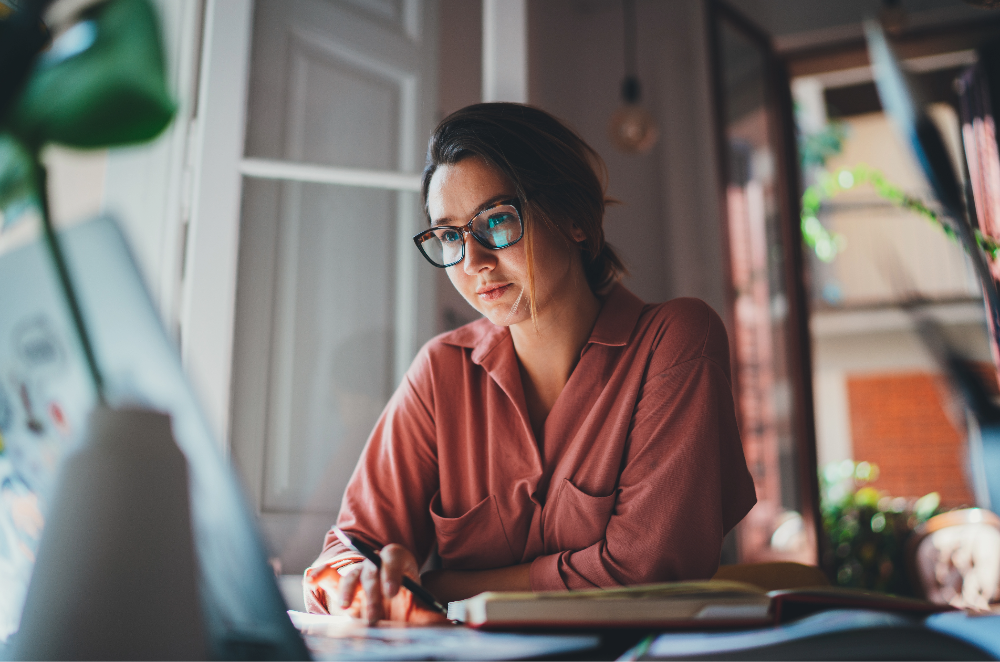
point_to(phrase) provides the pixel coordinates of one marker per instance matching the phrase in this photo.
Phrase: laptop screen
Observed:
(46, 397)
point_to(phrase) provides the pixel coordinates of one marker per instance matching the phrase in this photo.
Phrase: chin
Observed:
(504, 318)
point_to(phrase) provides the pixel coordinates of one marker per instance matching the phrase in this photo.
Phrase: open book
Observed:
(707, 604)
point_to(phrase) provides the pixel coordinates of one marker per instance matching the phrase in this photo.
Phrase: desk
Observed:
(834, 634)
(840, 634)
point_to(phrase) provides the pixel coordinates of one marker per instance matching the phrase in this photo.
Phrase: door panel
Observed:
(367, 104)
(332, 303)
(346, 88)
(402, 15)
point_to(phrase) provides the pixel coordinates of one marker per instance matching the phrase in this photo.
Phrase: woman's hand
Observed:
(364, 591)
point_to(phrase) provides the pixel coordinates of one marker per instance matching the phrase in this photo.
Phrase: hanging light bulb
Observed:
(632, 127)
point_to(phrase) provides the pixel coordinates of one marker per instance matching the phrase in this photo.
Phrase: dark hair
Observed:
(556, 175)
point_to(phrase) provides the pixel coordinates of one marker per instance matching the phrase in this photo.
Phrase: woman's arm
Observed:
(450, 585)
(683, 485)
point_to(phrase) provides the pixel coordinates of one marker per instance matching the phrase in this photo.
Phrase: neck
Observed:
(563, 326)
(549, 354)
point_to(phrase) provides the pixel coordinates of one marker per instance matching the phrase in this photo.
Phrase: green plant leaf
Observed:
(927, 505)
(828, 244)
(100, 84)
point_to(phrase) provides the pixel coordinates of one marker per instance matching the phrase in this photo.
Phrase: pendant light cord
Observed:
(628, 11)
(630, 86)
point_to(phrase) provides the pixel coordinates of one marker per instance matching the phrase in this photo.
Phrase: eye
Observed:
(450, 236)
(500, 219)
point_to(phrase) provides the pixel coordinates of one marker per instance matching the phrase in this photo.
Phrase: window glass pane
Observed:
(315, 346)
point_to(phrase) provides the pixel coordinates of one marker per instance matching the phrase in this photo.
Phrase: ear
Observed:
(577, 234)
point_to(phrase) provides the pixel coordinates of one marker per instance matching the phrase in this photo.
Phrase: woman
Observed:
(575, 437)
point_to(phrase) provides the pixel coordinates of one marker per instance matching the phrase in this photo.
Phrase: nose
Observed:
(477, 257)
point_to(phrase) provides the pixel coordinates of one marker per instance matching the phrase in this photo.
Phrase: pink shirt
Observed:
(639, 475)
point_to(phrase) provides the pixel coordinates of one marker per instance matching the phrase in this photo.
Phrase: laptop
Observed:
(46, 397)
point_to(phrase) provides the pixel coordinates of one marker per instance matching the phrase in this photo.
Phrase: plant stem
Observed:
(66, 283)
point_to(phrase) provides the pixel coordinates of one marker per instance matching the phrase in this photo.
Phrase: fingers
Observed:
(365, 591)
(338, 589)
(381, 586)
(406, 607)
(322, 582)
(347, 590)
(370, 582)
(400, 605)
(320, 575)
(397, 561)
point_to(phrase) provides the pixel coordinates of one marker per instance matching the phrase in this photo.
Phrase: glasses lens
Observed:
(443, 246)
(499, 227)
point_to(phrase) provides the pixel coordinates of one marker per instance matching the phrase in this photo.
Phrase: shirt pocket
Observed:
(577, 520)
(473, 541)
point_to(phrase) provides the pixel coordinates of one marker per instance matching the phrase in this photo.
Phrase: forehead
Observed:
(460, 189)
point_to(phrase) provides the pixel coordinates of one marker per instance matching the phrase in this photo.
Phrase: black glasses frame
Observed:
(418, 238)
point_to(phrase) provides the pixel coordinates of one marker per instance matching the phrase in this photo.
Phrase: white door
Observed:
(332, 299)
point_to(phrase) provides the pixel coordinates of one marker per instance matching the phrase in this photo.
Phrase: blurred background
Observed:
(756, 170)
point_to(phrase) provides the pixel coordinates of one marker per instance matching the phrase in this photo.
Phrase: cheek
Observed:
(552, 260)
(553, 248)
(459, 279)
(513, 262)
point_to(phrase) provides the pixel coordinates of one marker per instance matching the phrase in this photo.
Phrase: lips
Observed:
(492, 292)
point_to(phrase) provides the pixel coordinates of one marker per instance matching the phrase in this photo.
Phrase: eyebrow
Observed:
(492, 202)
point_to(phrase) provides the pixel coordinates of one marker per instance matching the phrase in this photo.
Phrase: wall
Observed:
(75, 182)
(667, 227)
(460, 78)
(460, 49)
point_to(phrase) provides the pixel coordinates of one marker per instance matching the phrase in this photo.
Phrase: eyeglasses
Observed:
(494, 228)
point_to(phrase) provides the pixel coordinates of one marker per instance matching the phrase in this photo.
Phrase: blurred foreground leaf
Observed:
(100, 84)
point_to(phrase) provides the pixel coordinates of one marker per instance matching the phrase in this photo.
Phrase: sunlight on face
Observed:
(495, 282)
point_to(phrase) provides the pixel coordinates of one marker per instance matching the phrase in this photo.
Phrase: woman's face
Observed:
(495, 282)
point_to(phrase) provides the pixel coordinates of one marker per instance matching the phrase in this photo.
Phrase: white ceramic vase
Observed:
(116, 574)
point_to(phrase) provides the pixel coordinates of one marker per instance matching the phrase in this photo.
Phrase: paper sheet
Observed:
(343, 638)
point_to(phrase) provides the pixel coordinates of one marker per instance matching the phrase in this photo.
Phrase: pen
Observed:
(370, 554)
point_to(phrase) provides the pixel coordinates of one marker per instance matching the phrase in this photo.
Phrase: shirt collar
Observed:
(617, 318)
(614, 326)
